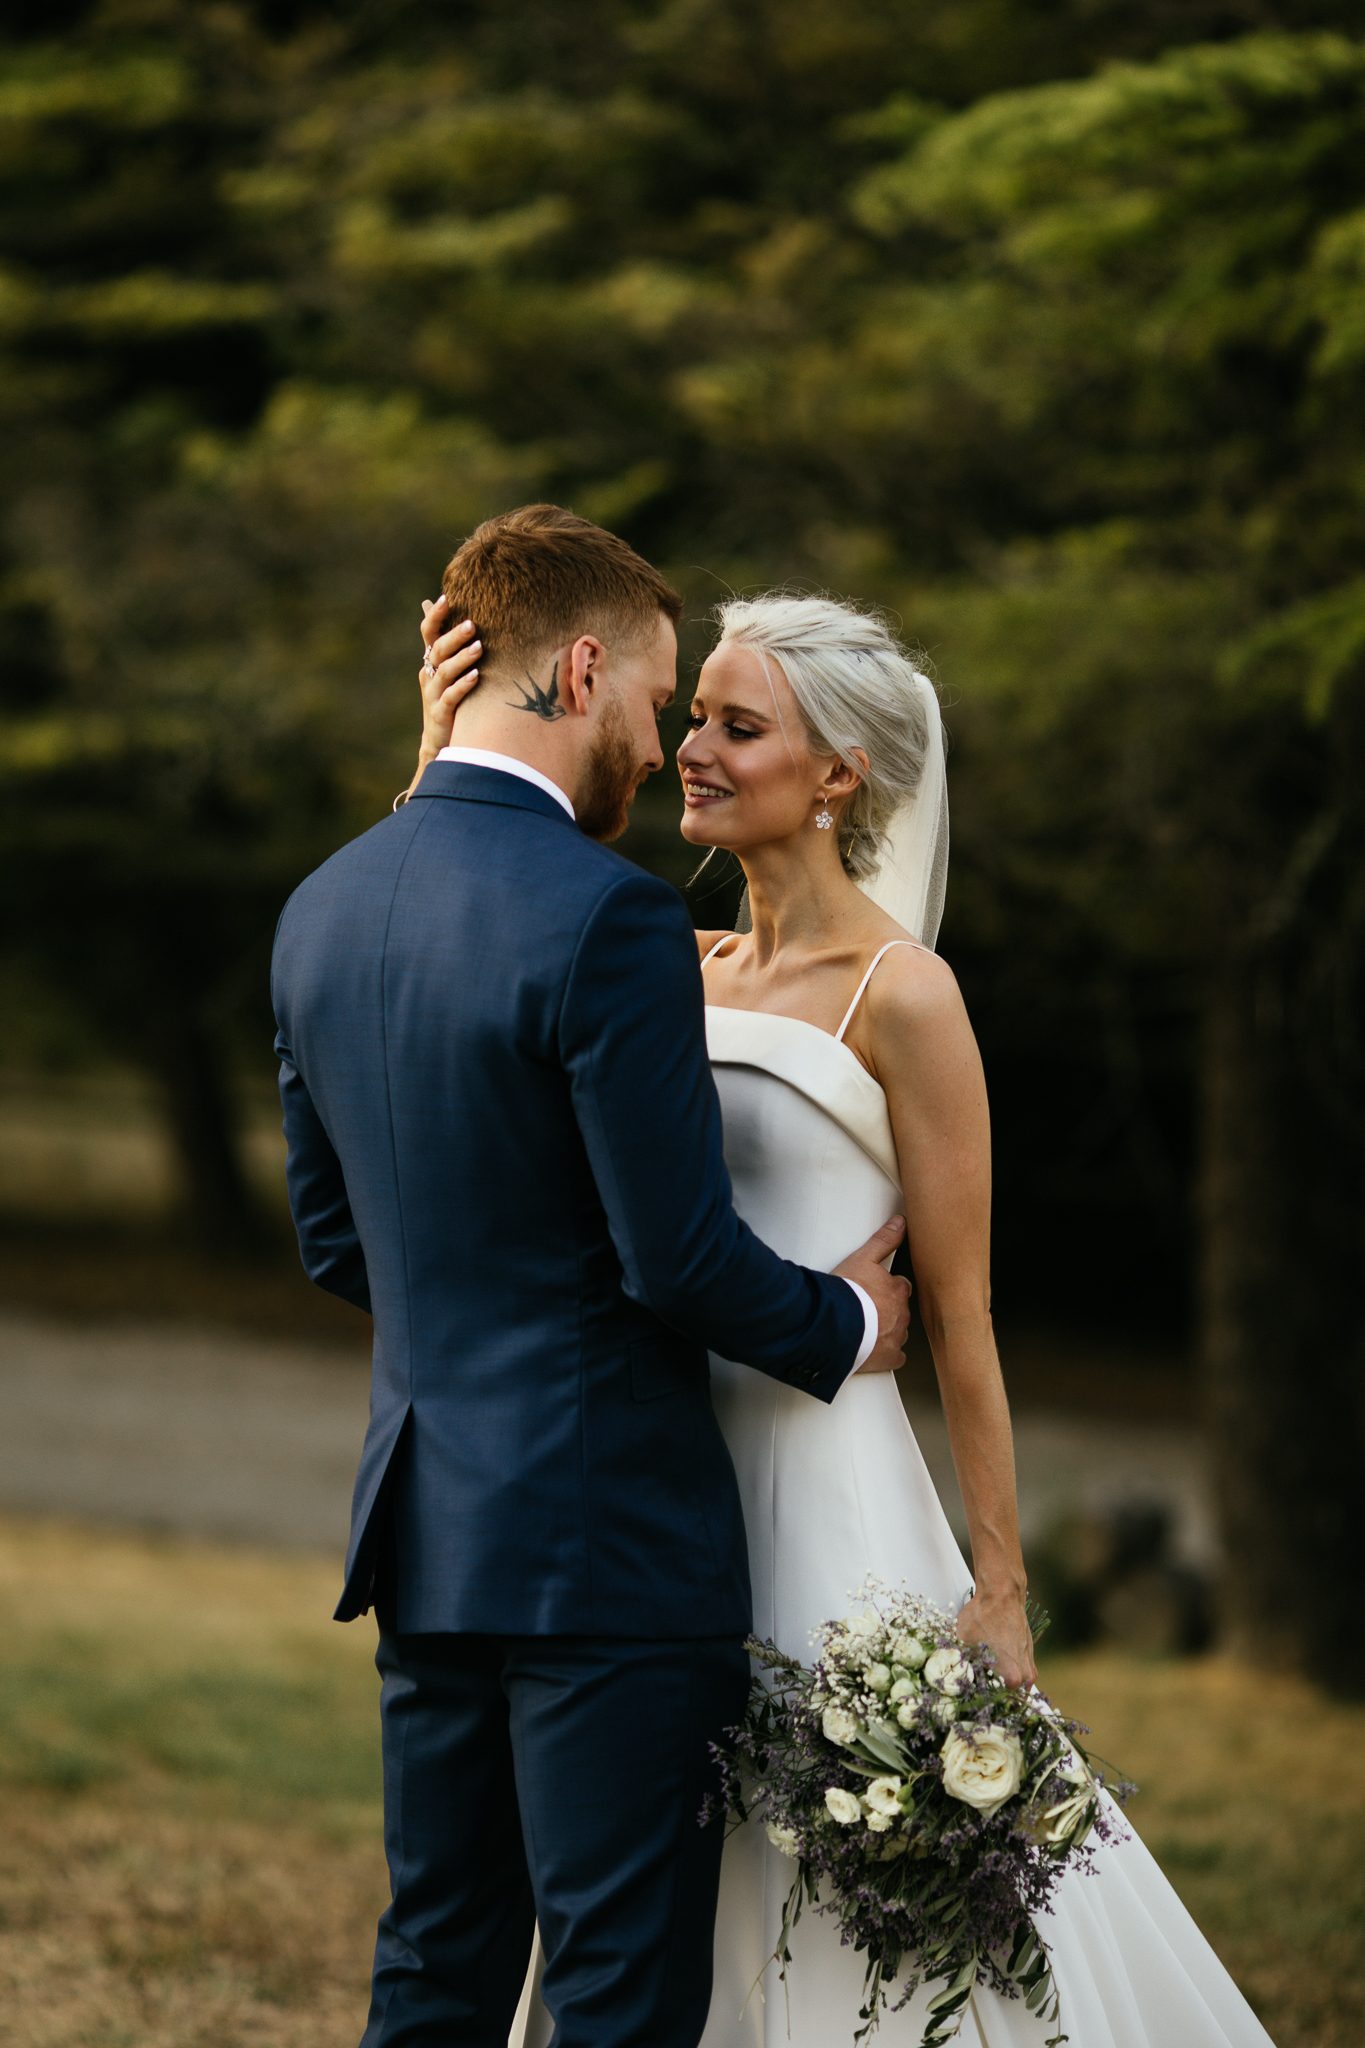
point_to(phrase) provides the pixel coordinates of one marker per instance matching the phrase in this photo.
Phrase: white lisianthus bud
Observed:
(1075, 1768)
(948, 1671)
(865, 1624)
(842, 1806)
(840, 1726)
(908, 1650)
(879, 1823)
(983, 1767)
(944, 1710)
(904, 1689)
(878, 1677)
(883, 1795)
(1059, 1823)
(907, 1713)
(782, 1838)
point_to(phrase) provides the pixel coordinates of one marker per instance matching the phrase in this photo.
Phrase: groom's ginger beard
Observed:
(613, 775)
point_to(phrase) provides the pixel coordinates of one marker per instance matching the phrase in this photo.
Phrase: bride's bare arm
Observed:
(447, 675)
(916, 1036)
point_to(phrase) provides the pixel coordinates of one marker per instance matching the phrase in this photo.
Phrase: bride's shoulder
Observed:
(708, 941)
(913, 989)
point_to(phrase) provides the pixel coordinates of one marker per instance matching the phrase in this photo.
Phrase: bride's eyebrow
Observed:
(698, 704)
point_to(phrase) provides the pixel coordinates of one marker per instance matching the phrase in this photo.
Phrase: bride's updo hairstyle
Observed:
(855, 686)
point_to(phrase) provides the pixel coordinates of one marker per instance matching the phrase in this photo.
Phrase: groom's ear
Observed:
(582, 667)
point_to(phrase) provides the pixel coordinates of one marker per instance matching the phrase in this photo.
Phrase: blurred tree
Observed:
(210, 564)
(1131, 310)
(290, 296)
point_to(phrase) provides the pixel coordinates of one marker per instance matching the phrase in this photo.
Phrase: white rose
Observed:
(865, 1624)
(883, 1795)
(878, 1677)
(948, 1670)
(782, 1838)
(907, 1713)
(983, 1767)
(842, 1805)
(944, 1710)
(879, 1823)
(840, 1726)
(908, 1650)
(904, 1689)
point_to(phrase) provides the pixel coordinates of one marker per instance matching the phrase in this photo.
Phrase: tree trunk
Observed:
(189, 1071)
(1284, 1302)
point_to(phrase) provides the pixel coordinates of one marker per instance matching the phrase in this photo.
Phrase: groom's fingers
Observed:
(884, 1241)
(890, 1295)
(871, 1258)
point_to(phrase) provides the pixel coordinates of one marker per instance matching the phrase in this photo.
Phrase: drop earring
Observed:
(823, 821)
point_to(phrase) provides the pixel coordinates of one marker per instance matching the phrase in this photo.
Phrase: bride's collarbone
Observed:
(815, 987)
(818, 988)
(777, 999)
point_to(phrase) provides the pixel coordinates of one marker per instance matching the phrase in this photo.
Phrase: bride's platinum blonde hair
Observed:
(855, 686)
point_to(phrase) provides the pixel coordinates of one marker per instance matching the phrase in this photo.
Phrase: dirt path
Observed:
(192, 1430)
(209, 1433)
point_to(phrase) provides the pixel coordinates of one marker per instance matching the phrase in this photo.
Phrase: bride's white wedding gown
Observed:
(832, 1493)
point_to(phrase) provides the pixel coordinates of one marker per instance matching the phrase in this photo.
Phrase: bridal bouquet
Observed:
(933, 1807)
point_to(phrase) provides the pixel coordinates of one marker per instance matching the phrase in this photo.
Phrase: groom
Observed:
(504, 1141)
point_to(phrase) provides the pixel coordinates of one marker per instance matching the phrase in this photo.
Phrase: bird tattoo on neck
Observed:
(540, 703)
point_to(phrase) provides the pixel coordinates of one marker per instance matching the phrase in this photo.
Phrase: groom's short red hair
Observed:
(537, 577)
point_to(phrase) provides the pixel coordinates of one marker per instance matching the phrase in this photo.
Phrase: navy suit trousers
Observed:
(559, 1777)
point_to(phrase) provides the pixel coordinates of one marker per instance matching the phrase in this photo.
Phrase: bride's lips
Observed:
(698, 795)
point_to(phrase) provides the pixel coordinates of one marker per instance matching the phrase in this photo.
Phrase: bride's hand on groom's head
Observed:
(449, 671)
(890, 1295)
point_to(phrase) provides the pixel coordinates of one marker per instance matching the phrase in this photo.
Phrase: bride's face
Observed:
(748, 773)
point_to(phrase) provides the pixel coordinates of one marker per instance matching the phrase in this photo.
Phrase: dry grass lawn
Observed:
(1253, 1800)
(190, 1855)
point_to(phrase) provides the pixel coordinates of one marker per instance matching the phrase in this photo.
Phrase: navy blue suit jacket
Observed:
(505, 1142)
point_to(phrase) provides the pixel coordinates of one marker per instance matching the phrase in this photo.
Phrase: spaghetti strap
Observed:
(876, 961)
(723, 940)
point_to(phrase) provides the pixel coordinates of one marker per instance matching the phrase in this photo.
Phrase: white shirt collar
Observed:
(506, 764)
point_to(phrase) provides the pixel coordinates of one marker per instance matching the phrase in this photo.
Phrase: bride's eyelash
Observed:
(738, 732)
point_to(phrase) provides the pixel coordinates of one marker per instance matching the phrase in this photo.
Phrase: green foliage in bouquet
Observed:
(926, 1805)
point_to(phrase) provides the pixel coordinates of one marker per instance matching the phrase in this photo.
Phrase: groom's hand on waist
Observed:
(889, 1294)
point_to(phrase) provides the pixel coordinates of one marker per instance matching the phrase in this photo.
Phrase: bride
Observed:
(852, 1090)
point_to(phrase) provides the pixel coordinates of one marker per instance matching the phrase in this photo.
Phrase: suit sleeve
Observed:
(633, 1039)
(329, 1244)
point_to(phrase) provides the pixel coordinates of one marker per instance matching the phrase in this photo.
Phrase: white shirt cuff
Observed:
(871, 1325)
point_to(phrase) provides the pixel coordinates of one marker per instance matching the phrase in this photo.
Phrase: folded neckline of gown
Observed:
(815, 1063)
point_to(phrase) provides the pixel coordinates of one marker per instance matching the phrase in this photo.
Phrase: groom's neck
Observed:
(536, 731)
